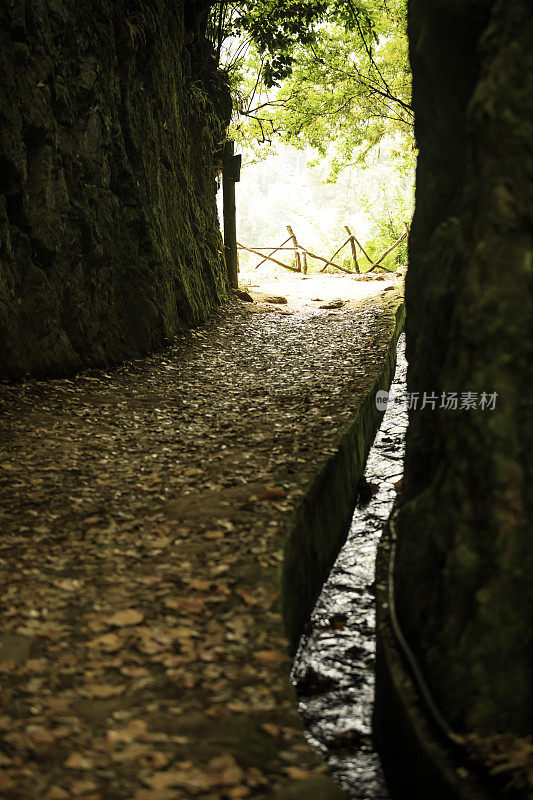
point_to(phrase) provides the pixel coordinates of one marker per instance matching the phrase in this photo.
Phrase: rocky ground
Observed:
(143, 513)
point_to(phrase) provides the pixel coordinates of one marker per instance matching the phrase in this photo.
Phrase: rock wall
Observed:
(110, 114)
(465, 556)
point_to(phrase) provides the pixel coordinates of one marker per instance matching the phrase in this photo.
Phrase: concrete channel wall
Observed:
(321, 521)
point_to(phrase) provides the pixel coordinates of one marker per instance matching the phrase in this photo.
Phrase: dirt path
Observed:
(305, 292)
(143, 514)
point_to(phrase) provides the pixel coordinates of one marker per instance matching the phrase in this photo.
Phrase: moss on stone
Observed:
(109, 237)
(464, 559)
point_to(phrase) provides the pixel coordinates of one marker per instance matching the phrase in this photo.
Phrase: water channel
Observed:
(334, 666)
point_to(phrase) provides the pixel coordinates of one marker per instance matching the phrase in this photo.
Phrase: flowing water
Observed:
(334, 667)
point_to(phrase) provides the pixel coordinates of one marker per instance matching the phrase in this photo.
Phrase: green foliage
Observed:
(331, 75)
(374, 201)
(280, 28)
(276, 28)
(389, 227)
(331, 79)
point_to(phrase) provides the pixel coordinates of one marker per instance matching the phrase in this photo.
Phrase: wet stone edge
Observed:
(321, 521)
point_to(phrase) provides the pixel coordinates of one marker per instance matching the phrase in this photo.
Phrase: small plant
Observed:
(347, 263)
(137, 29)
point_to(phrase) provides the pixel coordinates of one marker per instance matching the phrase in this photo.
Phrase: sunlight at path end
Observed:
(316, 290)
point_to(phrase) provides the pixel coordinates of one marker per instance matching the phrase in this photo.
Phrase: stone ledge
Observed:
(321, 521)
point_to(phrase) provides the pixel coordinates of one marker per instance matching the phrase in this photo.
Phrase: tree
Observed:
(332, 75)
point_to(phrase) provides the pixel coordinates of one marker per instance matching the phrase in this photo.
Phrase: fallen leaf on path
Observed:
(224, 771)
(236, 792)
(200, 585)
(193, 780)
(214, 535)
(191, 605)
(254, 777)
(83, 787)
(130, 616)
(132, 731)
(39, 735)
(297, 773)
(247, 596)
(160, 760)
(271, 729)
(104, 690)
(133, 671)
(271, 657)
(160, 543)
(185, 604)
(275, 493)
(238, 706)
(57, 793)
(110, 642)
(133, 752)
(214, 712)
(78, 761)
(69, 584)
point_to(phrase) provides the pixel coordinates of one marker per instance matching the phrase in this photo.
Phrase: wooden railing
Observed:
(301, 253)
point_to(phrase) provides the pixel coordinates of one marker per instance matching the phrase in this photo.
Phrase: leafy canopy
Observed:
(330, 74)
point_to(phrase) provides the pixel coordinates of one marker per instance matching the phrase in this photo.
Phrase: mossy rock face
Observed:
(465, 559)
(109, 237)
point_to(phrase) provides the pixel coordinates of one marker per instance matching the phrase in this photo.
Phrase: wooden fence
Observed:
(302, 253)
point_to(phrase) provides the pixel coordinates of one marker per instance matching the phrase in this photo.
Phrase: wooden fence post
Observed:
(354, 248)
(304, 263)
(230, 225)
(297, 259)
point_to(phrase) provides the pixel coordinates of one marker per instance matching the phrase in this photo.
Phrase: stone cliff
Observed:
(110, 116)
(464, 559)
